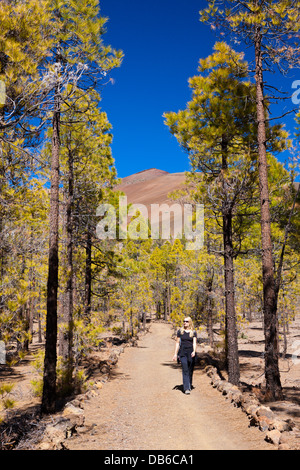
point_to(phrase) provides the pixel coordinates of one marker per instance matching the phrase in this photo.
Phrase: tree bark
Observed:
(209, 307)
(49, 379)
(231, 329)
(272, 375)
(231, 341)
(88, 273)
(167, 297)
(67, 346)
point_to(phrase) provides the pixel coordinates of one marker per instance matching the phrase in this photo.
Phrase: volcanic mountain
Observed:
(150, 187)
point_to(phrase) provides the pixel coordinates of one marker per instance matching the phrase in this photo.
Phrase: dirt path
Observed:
(142, 408)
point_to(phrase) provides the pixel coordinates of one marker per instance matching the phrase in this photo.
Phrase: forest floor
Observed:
(142, 406)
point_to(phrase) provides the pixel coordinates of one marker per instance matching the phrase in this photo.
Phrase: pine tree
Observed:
(24, 45)
(212, 129)
(88, 175)
(271, 28)
(79, 62)
(218, 131)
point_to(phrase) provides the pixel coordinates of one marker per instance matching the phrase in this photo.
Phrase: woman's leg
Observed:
(185, 373)
(191, 370)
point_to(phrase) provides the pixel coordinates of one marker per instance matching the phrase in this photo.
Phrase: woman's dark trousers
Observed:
(187, 364)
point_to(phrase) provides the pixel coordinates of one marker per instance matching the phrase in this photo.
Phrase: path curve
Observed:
(143, 408)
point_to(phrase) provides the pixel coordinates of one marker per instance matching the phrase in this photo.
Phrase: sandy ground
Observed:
(251, 357)
(142, 407)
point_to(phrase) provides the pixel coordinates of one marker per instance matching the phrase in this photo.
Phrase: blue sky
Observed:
(163, 41)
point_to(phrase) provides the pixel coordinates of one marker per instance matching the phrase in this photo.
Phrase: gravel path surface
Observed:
(143, 408)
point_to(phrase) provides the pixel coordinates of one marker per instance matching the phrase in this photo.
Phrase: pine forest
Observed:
(64, 288)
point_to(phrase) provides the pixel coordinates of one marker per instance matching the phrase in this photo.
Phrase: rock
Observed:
(118, 351)
(249, 399)
(220, 385)
(281, 425)
(78, 402)
(226, 387)
(54, 436)
(282, 433)
(265, 412)
(74, 414)
(104, 360)
(291, 424)
(91, 394)
(251, 409)
(273, 436)
(290, 440)
(113, 359)
(265, 418)
(235, 395)
(216, 383)
(263, 424)
(210, 371)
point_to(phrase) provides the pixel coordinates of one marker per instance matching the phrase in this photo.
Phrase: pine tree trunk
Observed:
(167, 297)
(67, 346)
(209, 307)
(232, 353)
(49, 380)
(40, 338)
(272, 375)
(231, 329)
(88, 274)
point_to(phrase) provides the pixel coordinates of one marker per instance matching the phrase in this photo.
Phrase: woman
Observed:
(185, 349)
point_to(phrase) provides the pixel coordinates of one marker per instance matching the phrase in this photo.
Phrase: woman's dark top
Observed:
(186, 342)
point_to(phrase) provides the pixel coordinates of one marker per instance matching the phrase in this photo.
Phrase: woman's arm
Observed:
(176, 349)
(194, 346)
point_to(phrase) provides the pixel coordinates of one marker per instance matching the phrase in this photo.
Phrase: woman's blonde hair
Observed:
(191, 325)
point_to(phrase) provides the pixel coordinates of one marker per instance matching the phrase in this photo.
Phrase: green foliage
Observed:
(65, 388)
(87, 335)
(6, 402)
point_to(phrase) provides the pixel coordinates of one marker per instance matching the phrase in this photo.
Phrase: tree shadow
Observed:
(250, 353)
(201, 361)
(11, 373)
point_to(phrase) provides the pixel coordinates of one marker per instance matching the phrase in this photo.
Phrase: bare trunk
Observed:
(210, 330)
(167, 297)
(210, 312)
(49, 381)
(231, 329)
(88, 273)
(272, 375)
(232, 353)
(67, 346)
